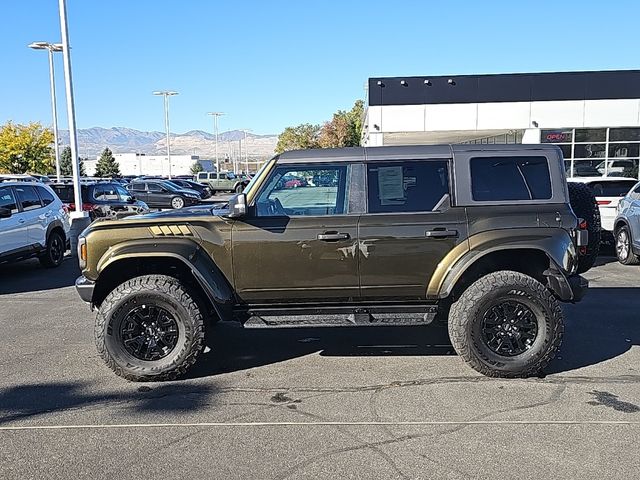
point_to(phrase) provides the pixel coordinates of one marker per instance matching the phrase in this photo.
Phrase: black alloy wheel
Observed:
(509, 328)
(149, 332)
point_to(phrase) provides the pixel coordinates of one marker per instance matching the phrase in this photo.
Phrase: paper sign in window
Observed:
(390, 185)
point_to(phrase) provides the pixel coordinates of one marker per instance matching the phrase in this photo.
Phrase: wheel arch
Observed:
(57, 226)
(186, 262)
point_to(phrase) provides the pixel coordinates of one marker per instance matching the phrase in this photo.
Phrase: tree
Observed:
(344, 129)
(107, 165)
(26, 148)
(66, 168)
(300, 137)
(195, 168)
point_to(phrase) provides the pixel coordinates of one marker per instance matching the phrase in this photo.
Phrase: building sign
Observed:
(556, 136)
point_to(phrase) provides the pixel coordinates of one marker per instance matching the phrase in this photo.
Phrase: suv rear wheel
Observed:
(623, 247)
(506, 324)
(149, 328)
(53, 254)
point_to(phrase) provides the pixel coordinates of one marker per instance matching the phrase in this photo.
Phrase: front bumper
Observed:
(567, 289)
(85, 288)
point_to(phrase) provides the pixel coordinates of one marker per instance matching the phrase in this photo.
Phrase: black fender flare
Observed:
(208, 275)
(57, 223)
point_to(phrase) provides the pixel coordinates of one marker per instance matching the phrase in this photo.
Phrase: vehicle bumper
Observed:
(85, 287)
(567, 289)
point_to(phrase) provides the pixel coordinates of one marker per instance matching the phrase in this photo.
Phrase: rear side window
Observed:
(413, 186)
(615, 188)
(137, 187)
(46, 196)
(64, 192)
(510, 178)
(28, 197)
(7, 200)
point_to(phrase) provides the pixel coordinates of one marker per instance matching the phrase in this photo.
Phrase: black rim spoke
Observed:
(509, 328)
(149, 332)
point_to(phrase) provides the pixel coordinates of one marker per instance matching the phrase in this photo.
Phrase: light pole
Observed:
(215, 116)
(246, 151)
(71, 111)
(166, 94)
(52, 47)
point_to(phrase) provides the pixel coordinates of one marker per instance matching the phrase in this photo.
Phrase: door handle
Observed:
(333, 236)
(21, 220)
(440, 233)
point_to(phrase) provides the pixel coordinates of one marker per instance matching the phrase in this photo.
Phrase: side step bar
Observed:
(341, 316)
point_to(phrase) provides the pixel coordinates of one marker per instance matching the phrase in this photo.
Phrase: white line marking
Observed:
(320, 424)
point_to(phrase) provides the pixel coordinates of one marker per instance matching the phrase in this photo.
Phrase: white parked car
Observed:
(627, 228)
(608, 192)
(33, 223)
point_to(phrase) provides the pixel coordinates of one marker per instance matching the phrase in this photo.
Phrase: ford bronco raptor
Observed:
(480, 236)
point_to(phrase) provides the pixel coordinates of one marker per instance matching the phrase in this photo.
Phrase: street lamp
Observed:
(52, 47)
(246, 150)
(215, 116)
(166, 94)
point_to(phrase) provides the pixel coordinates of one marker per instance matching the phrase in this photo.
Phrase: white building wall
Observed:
(156, 165)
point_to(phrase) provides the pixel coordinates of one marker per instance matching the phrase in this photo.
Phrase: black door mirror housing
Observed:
(5, 212)
(238, 206)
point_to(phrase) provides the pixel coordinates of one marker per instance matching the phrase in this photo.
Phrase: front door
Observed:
(299, 241)
(409, 228)
(158, 195)
(32, 214)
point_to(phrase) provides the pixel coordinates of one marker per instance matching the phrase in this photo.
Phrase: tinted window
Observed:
(154, 187)
(412, 186)
(304, 190)
(64, 192)
(617, 188)
(510, 178)
(137, 187)
(106, 193)
(46, 196)
(7, 200)
(28, 197)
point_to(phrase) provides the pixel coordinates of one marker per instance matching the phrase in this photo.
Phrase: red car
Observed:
(294, 182)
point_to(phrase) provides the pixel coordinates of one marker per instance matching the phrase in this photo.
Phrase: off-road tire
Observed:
(168, 293)
(466, 316)
(177, 203)
(630, 258)
(53, 254)
(584, 205)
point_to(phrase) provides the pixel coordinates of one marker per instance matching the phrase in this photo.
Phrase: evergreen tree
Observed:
(196, 167)
(66, 168)
(107, 165)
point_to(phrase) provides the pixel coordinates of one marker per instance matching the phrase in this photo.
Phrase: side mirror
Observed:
(5, 212)
(237, 206)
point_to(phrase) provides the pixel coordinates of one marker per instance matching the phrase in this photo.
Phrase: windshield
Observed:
(254, 180)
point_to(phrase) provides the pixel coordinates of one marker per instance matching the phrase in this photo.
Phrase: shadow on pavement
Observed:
(30, 276)
(605, 325)
(30, 401)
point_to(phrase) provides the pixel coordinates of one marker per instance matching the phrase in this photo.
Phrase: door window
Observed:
(413, 186)
(28, 197)
(106, 193)
(46, 196)
(138, 187)
(155, 188)
(304, 191)
(7, 200)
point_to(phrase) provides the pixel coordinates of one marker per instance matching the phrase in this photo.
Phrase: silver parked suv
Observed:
(627, 228)
(33, 223)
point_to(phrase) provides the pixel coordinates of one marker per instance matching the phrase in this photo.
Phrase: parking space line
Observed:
(320, 424)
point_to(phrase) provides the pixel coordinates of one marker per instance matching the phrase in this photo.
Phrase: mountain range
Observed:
(92, 141)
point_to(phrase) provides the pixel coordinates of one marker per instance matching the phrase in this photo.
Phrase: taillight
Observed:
(582, 250)
(604, 202)
(89, 207)
(582, 225)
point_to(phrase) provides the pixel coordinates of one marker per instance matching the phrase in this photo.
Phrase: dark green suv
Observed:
(480, 236)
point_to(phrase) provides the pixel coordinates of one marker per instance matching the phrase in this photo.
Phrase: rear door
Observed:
(33, 213)
(13, 231)
(409, 227)
(298, 244)
(139, 190)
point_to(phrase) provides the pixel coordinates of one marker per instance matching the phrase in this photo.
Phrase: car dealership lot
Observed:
(316, 403)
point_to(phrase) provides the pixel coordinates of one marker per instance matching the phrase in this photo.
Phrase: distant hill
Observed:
(91, 142)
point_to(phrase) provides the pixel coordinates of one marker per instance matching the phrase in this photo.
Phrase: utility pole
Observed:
(215, 116)
(166, 94)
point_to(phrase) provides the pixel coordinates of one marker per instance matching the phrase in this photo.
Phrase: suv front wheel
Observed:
(149, 328)
(506, 324)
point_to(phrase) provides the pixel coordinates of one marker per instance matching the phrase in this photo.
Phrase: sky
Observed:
(273, 64)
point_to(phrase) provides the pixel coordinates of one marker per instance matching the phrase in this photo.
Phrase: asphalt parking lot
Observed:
(316, 403)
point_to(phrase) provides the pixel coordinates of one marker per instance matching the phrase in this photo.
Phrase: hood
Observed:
(194, 211)
(188, 190)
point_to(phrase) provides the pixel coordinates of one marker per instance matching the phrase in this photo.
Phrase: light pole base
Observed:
(79, 221)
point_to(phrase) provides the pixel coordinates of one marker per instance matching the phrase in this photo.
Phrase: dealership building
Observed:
(594, 117)
(141, 164)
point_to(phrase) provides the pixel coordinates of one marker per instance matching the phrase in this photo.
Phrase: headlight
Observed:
(82, 252)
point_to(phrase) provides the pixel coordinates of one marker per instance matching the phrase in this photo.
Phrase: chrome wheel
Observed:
(622, 244)
(177, 203)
